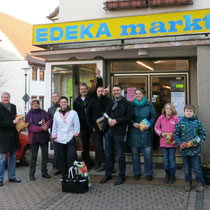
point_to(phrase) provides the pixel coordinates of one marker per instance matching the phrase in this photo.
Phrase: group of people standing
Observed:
(124, 117)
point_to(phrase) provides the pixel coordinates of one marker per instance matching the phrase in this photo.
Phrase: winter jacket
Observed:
(66, 126)
(122, 114)
(36, 134)
(136, 137)
(165, 125)
(9, 138)
(80, 106)
(96, 109)
(186, 130)
(51, 111)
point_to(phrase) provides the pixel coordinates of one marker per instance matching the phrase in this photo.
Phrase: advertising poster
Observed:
(130, 94)
(178, 100)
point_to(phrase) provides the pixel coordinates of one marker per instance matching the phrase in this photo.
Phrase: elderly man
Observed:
(80, 106)
(9, 139)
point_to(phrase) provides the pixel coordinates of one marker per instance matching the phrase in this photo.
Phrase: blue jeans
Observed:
(192, 162)
(148, 164)
(118, 141)
(169, 159)
(11, 165)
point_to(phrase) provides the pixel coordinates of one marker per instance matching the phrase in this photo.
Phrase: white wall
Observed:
(71, 10)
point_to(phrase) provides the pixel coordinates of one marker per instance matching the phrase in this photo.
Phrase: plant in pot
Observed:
(205, 166)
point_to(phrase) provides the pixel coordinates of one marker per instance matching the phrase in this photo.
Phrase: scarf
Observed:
(115, 105)
(140, 103)
(7, 106)
(65, 110)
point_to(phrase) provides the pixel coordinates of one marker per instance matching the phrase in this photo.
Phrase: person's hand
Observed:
(146, 128)
(112, 123)
(44, 127)
(17, 120)
(163, 135)
(183, 145)
(97, 71)
(136, 125)
(106, 90)
(55, 140)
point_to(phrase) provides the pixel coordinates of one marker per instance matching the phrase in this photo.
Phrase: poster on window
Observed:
(178, 100)
(130, 94)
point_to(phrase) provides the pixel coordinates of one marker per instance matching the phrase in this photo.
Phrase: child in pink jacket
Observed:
(165, 127)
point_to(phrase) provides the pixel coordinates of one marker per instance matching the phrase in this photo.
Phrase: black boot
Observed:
(172, 179)
(167, 177)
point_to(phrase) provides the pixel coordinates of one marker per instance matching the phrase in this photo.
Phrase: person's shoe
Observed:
(57, 172)
(96, 167)
(149, 177)
(136, 176)
(200, 188)
(119, 181)
(101, 168)
(32, 177)
(105, 179)
(1, 183)
(15, 180)
(46, 176)
(188, 187)
(172, 179)
(166, 178)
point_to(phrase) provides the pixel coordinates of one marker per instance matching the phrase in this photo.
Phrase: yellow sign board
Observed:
(188, 22)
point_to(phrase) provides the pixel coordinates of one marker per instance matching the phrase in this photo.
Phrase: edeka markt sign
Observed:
(188, 22)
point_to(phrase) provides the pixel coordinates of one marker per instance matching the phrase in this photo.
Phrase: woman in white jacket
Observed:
(66, 126)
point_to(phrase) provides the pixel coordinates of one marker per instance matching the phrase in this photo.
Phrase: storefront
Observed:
(164, 58)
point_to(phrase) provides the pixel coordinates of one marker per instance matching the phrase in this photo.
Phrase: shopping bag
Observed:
(74, 183)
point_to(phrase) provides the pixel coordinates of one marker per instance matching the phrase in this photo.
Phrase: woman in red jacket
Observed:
(165, 127)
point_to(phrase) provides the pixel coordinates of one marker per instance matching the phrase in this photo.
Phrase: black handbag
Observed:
(74, 183)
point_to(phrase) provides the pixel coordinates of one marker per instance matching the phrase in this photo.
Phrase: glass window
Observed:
(41, 75)
(41, 102)
(34, 74)
(157, 65)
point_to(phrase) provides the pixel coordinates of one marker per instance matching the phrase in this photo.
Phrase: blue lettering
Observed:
(41, 34)
(207, 21)
(103, 30)
(133, 28)
(52, 34)
(157, 27)
(173, 25)
(70, 31)
(189, 25)
(86, 31)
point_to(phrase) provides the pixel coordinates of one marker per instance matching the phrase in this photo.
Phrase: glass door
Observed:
(129, 83)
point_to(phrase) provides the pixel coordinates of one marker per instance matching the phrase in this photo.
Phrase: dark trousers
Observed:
(57, 156)
(85, 138)
(68, 155)
(112, 140)
(99, 147)
(34, 152)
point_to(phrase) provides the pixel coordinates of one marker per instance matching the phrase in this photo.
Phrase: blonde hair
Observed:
(174, 112)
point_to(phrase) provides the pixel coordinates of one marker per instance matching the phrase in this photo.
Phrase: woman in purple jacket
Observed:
(38, 135)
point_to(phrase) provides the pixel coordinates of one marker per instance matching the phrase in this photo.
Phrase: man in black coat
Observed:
(9, 139)
(80, 105)
(96, 109)
(120, 112)
(57, 153)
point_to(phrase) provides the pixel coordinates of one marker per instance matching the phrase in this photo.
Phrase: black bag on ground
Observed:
(74, 183)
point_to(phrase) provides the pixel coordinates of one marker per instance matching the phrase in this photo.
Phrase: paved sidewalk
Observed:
(135, 195)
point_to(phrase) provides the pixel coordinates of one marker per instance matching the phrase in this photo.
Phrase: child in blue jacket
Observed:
(189, 134)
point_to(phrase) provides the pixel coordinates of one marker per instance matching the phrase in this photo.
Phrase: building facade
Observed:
(160, 46)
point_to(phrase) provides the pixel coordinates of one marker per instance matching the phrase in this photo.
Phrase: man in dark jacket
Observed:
(96, 109)
(120, 113)
(9, 139)
(80, 105)
(57, 154)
